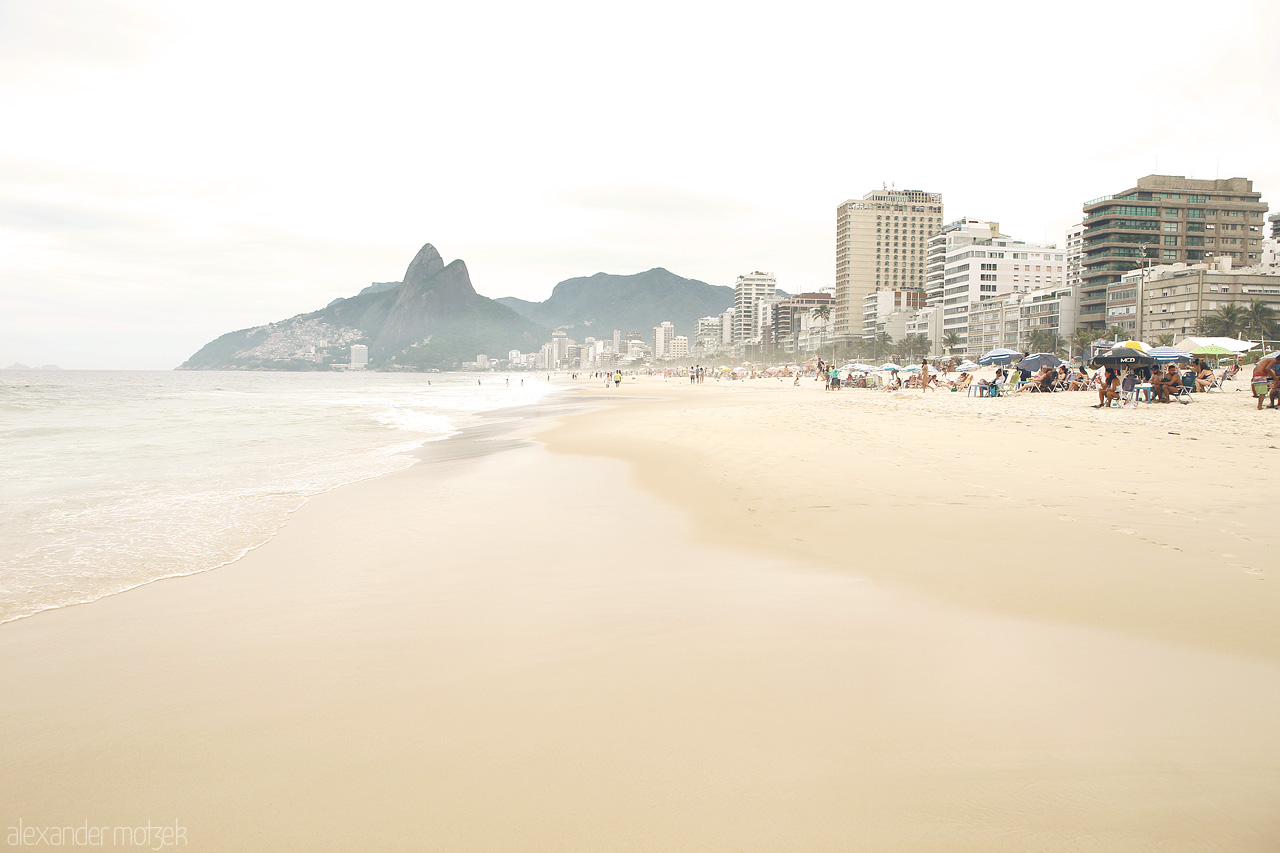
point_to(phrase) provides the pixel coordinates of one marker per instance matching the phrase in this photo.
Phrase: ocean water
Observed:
(109, 480)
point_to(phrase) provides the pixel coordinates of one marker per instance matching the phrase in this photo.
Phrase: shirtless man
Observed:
(1266, 373)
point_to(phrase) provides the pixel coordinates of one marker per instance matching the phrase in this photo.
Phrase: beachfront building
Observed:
(961, 232)
(879, 306)
(707, 333)
(748, 291)
(795, 329)
(359, 356)
(679, 347)
(1164, 219)
(663, 335)
(881, 243)
(1177, 296)
(992, 323)
(978, 268)
(1049, 309)
(1092, 314)
(928, 322)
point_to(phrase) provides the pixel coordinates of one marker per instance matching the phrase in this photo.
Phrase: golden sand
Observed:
(743, 617)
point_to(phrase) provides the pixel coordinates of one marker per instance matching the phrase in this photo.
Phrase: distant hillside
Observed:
(598, 304)
(433, 319)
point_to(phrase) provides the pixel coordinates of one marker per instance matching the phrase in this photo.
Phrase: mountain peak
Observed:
(424, 265)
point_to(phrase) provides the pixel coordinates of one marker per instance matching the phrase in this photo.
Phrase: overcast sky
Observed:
(170, 171)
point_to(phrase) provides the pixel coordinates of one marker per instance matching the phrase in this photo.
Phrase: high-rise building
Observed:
(980, 263)
(359, 356)
(959, 232)
(707, 332)
(881, 242)
(795, 327)
(679, 347)
(748, 290)
(663, 334)
(1164, 219)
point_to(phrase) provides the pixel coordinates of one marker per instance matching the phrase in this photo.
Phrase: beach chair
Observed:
(1129, 391)
(1185, 389)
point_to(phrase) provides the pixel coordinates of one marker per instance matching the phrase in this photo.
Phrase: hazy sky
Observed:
(170, 171)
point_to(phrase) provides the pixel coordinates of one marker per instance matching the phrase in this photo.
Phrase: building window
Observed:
(1171, 211)
(1171, 241)
(1171, 226)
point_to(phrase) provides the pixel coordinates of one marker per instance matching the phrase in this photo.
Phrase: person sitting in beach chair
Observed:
(1165, 383)
(1204, 378)
(1108, 387)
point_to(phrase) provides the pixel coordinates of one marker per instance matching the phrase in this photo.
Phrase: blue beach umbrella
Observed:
(889, 365)
(1038, 360)
(999, 355)
(1164, 355)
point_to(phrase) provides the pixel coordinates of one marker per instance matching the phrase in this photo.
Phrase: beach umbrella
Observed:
(889, 365)
(910, 368)
(967, 365)
(1164, 355)
(1123, 355)
(1035, 361)
(1211, 349)
(1000, 355)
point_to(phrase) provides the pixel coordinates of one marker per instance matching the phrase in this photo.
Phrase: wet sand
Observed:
(744, 618)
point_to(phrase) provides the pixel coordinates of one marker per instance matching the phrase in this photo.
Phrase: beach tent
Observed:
(999, 355)
(1164, 355)
(1232, 345)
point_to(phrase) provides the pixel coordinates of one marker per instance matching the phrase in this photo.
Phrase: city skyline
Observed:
(176, 174)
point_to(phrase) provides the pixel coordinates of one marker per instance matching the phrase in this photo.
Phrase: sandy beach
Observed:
(732, 616)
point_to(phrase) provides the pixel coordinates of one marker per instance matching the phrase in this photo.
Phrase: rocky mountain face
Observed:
(598, 304)
(432, 319)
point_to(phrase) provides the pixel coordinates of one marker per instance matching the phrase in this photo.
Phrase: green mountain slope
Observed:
(433, 319)
(598, 304)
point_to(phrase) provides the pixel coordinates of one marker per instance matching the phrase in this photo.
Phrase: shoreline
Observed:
(572, 643)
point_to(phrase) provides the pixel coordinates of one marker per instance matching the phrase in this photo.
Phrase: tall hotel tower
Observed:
(880, 245)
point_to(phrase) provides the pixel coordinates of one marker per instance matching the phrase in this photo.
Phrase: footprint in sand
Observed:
(1126, 531)
(1067, 518)
(1249, 571)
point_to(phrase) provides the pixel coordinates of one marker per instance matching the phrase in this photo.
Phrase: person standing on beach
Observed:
(1266, 382)
(617, 378)
(925, 378)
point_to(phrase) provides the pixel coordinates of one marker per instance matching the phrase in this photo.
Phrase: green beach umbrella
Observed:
(1211, 349)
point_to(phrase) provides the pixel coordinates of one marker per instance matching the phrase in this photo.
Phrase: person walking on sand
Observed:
(925, 378)
(617, 378)
(1266, 382)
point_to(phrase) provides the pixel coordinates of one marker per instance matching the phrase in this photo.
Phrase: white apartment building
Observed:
(881, 243)
(928, 322)
(748, 290)
(359, 356)
(878, 306)
(982, 269)
(679, 347)
(958, 233)
(663, 335)
(707, 333)
(726, 328)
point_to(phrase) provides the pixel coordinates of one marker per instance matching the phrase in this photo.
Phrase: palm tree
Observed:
(880, 345)
(823, 313)
(1045, 340)
(950, 341)
(1260, 321)
(1164, 339)
(1228, 321)
(1080, 340)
